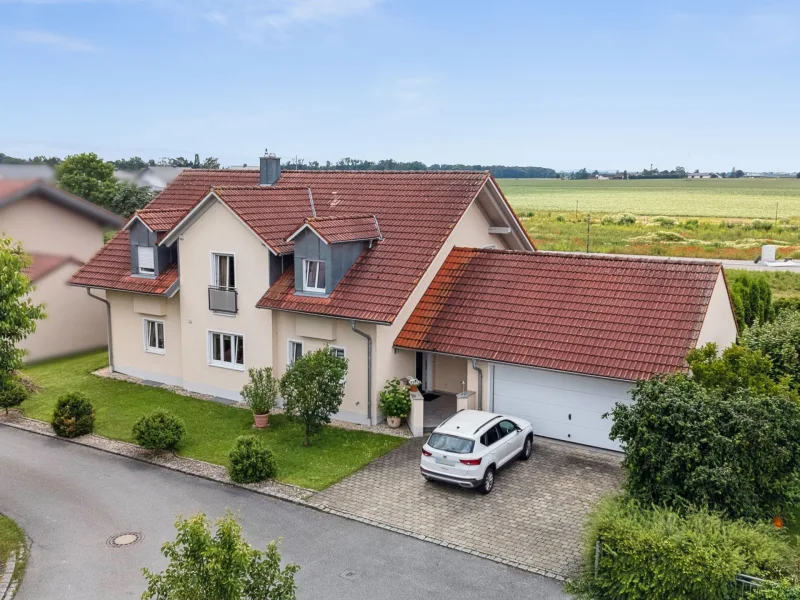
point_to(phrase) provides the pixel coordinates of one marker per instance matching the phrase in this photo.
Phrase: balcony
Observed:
(223, 299)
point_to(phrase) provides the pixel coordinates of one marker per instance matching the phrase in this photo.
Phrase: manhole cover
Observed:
(120, 540)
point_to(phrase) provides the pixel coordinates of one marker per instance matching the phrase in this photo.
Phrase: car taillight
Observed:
(425, 452)
(472, 462)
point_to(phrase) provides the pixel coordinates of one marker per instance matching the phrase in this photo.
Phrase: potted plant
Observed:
(261, 394)
(394, 402)
(413, 383)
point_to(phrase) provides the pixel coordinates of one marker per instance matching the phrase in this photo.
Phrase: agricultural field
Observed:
(721, 198)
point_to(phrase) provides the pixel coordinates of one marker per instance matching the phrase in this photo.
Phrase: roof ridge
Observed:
(340, 217)
(382, 171)
(260, 187)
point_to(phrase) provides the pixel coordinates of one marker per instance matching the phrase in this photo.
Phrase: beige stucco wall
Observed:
(74, 323)
(219, 230)
(316, 332)
(719, 325)
(128, 312)
(448, 373)
(48, 228)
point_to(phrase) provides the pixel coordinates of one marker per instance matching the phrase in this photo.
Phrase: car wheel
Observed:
(487, 484)
(527, 448)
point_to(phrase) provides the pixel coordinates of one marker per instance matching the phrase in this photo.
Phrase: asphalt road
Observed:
(70, 499)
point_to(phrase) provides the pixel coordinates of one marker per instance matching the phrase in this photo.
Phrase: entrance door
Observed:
(424, 368)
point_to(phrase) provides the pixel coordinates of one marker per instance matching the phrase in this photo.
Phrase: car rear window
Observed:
(450, 443)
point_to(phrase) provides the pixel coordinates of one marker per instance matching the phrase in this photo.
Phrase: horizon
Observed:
(699, 85)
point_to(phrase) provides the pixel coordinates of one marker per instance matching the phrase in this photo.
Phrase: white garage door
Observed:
(560, 405)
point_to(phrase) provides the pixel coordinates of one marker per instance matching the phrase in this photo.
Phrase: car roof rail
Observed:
(487, 422)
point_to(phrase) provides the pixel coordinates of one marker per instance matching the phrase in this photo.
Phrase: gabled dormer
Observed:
(326, 247)
(148, 259)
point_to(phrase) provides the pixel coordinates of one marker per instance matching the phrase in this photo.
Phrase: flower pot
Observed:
(261, 421)
(414, 388)
(393, 422)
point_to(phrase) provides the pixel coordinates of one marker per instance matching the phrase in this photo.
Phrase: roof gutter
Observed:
(369, 369)
(108, 326)
(480, 382)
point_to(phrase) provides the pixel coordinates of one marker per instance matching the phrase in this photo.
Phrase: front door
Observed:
(424, 368)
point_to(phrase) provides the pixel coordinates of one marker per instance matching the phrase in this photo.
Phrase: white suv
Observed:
(468, 448)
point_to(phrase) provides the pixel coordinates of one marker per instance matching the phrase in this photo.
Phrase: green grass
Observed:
(211, 428)
(731, 198)
(12, 538)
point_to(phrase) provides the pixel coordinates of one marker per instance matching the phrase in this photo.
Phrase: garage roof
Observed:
(618, 317)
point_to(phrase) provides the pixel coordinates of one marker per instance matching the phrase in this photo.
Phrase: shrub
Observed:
(250, 460)
(394, 399)
(752, 297)
(73, 415)
(312, 389)
(665, 221)
(785, 589)
(261, 392)
(786, 304)
(560, 218)
(691, 224)
(622, 219)
(160, 430)
(737, 453)
(12, 392)
(223, 565)
(780, 341)
(658, 554)
(761, 225)
(738, 367)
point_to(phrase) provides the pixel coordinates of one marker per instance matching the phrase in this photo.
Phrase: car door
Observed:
(491, 439)
(510, 439)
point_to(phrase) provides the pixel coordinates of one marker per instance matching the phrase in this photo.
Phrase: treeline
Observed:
(135, 163)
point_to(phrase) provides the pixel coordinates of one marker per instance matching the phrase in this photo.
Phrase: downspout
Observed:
(480, 383)
(108, 326)
(369, 370)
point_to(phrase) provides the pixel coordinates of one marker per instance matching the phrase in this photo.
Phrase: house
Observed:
(403, 273)
(156, 177)
(699, 175)
(42, 172)
(60, 232)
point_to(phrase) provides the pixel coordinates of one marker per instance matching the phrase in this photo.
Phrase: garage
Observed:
(562, 406)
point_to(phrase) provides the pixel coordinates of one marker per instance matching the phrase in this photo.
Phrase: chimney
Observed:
(270, 169)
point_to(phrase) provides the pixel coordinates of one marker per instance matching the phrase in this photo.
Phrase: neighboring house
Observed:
(60, 232)
(156, 178)
(232, 269)
(43, 172)
(699, 175)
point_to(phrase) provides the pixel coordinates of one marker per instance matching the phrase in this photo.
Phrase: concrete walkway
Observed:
(71, 499)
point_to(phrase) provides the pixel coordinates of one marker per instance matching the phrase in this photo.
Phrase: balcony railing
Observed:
(223, 299)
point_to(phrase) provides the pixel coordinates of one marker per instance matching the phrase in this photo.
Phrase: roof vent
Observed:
(270, 169)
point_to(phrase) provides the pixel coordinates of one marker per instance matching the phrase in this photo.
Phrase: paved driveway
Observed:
(70, 499)
(534, 516)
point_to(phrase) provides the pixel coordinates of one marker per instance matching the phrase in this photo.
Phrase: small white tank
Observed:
(768, 253)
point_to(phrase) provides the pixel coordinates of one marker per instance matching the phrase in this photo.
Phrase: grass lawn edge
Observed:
(12, 538)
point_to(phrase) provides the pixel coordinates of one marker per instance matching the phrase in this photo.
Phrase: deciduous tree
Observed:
(88, 176)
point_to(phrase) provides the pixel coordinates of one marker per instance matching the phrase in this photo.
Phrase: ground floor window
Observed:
(154, 336)
(295, 352)
(226, 350)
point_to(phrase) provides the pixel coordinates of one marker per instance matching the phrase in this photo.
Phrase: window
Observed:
(450, 443)
(226, 350)
(492, 436)
(147, 261)
(154, 336)
(223, 271)
(295, 352)
(337, 351)
(314, 276)
(506, 428)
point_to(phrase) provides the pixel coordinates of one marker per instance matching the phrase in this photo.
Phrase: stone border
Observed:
(286, 492)
(8, 585)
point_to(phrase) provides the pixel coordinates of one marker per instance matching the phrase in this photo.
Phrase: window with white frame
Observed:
(226, 350)
(339, 352)
(223, 271)
(147, 260)
(314, 276)
(154, 336)
(295, 352)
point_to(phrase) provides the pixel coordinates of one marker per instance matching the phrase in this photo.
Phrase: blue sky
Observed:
(611, 85)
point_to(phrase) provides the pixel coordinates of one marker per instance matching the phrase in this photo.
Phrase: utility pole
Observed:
(576, 209)
(588, 226)
(776, 213)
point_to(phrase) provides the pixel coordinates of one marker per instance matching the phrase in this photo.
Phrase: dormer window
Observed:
(314, 276)
(147, 261)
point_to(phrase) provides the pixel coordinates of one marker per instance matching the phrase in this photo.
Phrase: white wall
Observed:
(719, 325)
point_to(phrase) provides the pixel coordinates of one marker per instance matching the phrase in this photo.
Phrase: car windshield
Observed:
(450, 443)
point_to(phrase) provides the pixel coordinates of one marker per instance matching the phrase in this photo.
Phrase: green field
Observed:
(722, 198)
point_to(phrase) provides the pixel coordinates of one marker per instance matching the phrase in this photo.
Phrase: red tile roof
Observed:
(9, 187)
(110, 269)
(349, 228)
(617, 317)
(44, 264)
(160, 219)
(12, 190)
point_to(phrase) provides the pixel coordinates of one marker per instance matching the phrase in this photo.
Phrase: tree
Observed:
(126, 197)
(685, 445)
(752, 297)
(738, 367)
(798, 174)
(12, 393)
(210, 163)
(222, 566)
(312, 389)
(88, 176)
(780, 341)
(134, 163)
(18, 313)
(582, 174)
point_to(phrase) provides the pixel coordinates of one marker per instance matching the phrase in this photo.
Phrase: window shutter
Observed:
(146, 259)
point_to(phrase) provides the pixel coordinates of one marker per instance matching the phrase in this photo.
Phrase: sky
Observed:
(707, 85)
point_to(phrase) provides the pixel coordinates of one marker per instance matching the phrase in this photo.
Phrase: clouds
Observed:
(53, 40)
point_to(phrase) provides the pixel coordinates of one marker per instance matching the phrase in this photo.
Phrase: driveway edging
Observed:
(301, 497)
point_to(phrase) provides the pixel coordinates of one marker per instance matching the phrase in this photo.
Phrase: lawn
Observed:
(211, 428)
(731, 198)
(12, 538)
